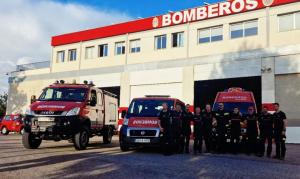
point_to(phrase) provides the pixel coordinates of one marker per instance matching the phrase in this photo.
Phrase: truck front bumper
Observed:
(53, 127)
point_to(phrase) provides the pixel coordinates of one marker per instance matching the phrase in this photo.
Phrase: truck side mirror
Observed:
(33, 99)
(123, 114)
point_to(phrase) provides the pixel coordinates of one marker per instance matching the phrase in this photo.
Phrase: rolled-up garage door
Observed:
(287, 94)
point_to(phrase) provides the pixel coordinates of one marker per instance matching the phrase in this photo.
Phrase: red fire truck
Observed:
(73, 112)
(235, 97)
(140, 126)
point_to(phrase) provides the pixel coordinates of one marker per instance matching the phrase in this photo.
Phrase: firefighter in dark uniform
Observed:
(186, 128)
(207, 116)
(222, 119)
(266, 131)
(166, 128)
(280, 123)
(198, 130)
(235, 130)
(177, 129)
(251, 120)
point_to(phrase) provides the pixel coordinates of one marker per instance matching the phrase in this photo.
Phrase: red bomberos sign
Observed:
(190, 15)
(210, 11)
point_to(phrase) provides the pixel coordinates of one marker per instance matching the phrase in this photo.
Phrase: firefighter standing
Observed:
(280, 123)
(252, 133)
(222, 119)
(166, 127)
(207, 116)
(177, 129)
(186, 128)
(266, 131)
(235, 129)
(198, 130)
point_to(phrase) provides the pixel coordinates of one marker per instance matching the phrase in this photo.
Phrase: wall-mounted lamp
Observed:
(266, 69)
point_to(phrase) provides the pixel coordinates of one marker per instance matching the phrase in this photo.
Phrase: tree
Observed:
(3, 102)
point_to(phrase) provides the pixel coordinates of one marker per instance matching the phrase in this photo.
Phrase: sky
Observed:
(26, 26)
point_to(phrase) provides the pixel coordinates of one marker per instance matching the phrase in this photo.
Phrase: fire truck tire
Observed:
(107, 136)
(4, 131)
(30, 142)
(81, 139)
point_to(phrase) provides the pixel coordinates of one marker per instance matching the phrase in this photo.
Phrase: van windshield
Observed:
(63, 94)
(229, 106)
(147, 107)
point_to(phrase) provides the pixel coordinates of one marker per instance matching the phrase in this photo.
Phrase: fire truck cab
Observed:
(235, 97)
(73, 112)
(141, 124)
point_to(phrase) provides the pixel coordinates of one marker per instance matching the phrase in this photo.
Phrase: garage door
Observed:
(172, 89)
(287, 93)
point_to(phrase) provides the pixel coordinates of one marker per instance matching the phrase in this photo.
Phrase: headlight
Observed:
(125, 122)
(73, 112)
(29, 112)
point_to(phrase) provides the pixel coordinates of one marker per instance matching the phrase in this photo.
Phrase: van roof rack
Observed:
(157, 96)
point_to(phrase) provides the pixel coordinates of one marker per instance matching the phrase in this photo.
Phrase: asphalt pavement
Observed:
(61, 160)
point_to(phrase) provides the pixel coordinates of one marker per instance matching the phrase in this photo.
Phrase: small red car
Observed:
(12, 123)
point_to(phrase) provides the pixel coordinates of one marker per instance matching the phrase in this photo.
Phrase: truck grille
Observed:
(48, 112)
(143, 133)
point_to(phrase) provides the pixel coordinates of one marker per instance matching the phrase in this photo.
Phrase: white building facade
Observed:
(190, 55)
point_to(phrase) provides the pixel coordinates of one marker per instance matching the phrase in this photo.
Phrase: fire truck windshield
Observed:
(64, 94)
(147, 107)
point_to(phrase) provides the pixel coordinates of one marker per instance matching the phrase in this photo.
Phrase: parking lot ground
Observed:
(61, 160)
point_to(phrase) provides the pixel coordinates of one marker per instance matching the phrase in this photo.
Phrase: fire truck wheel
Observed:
(4, 131)
(30, 141)
(81, 139)
(107, 136)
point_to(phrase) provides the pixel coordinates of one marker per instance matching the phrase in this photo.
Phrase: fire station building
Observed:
(190, 55)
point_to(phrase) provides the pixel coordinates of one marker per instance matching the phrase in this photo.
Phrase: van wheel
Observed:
(124, 147)
(4, 131)
(107, 136)
(81, 139)
(30, 141)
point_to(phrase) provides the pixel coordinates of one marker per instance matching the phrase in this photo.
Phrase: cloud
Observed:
(26, 27)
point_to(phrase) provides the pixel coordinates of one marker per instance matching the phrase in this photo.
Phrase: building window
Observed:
(60, 56)
(177, 39)
(289, 22)
(212, 34)
(243, 29)
(103, 50)
(161, 42)
(135, 46)
(251, 28)
(120, 48)
(89, 52)
(72, 55)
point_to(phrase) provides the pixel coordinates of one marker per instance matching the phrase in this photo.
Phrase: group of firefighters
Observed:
(223, 131)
